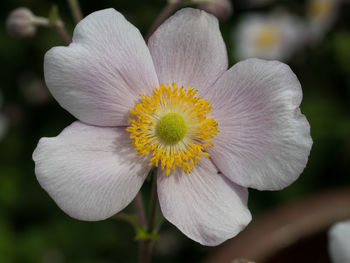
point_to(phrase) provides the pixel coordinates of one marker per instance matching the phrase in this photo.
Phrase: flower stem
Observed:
(154, 203)
(75, 10)
(145, 251)
(140, 211)
(61, 30)
(40, 21)
(164, 14)
(146, 245)
(58, 25)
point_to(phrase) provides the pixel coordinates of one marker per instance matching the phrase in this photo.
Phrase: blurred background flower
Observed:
(268, 36)
(321, 15)
(20, 23)
(339, 242)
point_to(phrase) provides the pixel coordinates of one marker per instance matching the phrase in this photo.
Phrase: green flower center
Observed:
(171, 128)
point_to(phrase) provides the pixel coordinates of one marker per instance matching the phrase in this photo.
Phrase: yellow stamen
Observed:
(172, 125)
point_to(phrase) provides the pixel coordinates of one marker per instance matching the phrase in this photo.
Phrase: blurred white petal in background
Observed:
(339, 242)
(321, 15)
(274, 36)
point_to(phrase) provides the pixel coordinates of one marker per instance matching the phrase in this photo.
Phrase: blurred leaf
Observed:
(341, 43)
(9, 190)
(7, 242)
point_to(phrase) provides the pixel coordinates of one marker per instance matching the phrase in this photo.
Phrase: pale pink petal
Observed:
(264, 140)
(204, 205)
(100, 76)
(91, 172)
(188, 49)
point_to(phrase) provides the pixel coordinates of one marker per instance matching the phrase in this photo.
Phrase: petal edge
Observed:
(90, 172)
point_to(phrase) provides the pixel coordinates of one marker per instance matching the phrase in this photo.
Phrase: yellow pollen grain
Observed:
(172, 126)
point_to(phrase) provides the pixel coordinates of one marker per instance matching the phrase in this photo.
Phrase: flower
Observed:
(212, 132)
(20, 23)
(321, 17)
(275, 36)
(339, 242)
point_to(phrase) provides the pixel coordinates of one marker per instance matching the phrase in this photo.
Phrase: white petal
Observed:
(264, 140)
(100, 76)
(188, 49)
(204, 205)
(90, 172)
(339, 242)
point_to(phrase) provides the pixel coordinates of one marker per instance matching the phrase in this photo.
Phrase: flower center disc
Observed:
(171, 128)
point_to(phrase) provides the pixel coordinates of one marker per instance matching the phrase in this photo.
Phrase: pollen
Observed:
(172, 127)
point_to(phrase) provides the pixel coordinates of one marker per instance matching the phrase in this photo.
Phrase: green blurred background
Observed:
(34, 229)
